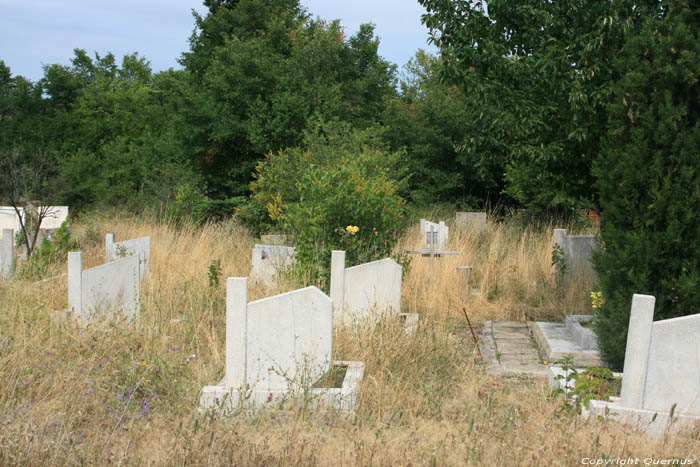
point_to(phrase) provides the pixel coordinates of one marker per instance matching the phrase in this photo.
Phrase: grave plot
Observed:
(110, 289)
(367, 291)
(574, 253)
(470, 220)
(573, 337)
(661, 377)
(270, 260)
(278, 348)
(7, 254)
(138, 247)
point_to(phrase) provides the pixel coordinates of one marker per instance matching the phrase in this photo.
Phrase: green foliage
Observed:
(596, 383)
(341, 179)
(648, 178)
(53, 250)
(539, 75)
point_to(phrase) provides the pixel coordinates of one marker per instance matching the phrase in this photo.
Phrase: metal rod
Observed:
(476, 342)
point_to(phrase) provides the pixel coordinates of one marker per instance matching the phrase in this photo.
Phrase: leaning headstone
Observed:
(276, 347)
(576, 252)
(6, 253)
(473, 220)
(138, 247)
(368, 289)
(105, 290)
(661, 378)
(270, 260)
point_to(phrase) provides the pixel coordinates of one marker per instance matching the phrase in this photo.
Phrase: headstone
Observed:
(474, 220)
(107, 289)
(365, 290)
(436, 234)
(273, 346)
(269, 260)
(577, 251)
(138, 247)
(6, 253)
(9, 218)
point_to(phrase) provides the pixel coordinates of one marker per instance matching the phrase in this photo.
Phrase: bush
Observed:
(53, 250)
(648, 179)
(342, 190)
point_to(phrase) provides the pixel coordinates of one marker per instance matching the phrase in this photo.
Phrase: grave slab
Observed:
(556, 341)
(508, 350)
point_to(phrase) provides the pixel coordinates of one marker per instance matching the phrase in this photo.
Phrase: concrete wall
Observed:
(9, 218)
(662, 361)
(277, 342)
(269, 260)
(361, 291)
(7, 241)
(475, 220)
(577, 250)
(105, 289)
(139, 247)
(55, 216)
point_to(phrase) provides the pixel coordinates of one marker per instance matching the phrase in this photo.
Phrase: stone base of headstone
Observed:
(556, 341)
(225, 400)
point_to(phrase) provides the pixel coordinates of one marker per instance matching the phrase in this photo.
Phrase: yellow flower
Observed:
(597, 299)
(352, 229)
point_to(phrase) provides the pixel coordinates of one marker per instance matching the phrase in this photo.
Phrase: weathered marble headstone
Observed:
(474, 220)
(6, 253)
(274, 346)
(104, 290)
(577, 251)
(269, 260)
(365, 290)
(138, 247)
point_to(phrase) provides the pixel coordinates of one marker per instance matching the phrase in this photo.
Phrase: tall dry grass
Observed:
(117, 393)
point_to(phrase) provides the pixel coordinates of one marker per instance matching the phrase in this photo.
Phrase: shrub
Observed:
(648, 179)
(342, 190)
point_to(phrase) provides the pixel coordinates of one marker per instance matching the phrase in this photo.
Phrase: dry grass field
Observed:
(112, 393)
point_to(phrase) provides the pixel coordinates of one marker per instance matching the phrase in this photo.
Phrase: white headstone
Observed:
(106, 289)
(435, 234)
(465, 220)
(269, 260)
(54, 217)
(6, 253)
(367, 289)
(138, 247)
(9, 218)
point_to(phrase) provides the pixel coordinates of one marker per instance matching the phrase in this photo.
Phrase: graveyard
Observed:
(146, 389)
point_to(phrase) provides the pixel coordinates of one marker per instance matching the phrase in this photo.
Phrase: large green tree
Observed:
(649, 177)
(259, 70)
(542, 73)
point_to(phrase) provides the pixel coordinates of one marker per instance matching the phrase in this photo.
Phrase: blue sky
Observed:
(38, 32)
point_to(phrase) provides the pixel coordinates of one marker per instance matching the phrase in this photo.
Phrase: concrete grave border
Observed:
(7, 254)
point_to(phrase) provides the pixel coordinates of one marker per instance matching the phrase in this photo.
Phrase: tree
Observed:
(542, 72)
(27, 185)
(649, 177)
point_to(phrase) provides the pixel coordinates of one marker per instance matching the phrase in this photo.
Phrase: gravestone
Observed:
(138, 247)
(365, 290)
(7, 253)
(103, 290)
(275, 347)
(577, 251)
(473, 220)
(436, 234)
(661, 378)
(269, 260)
